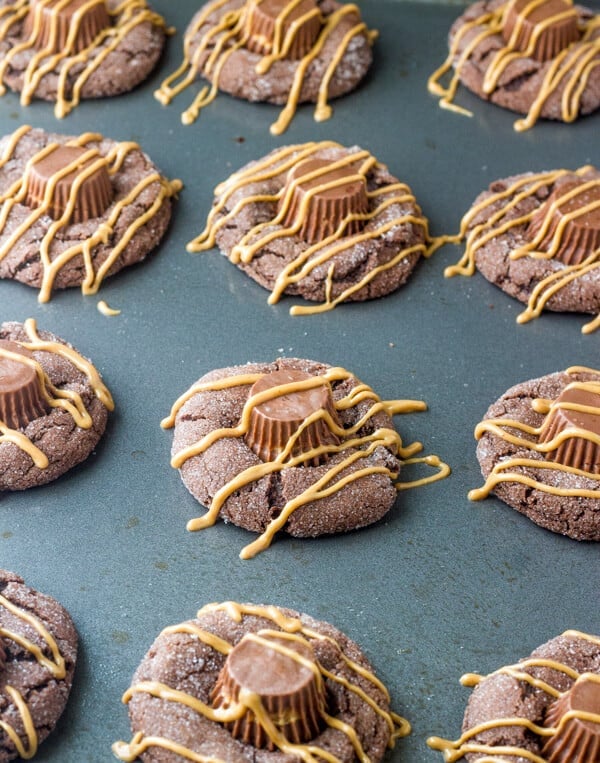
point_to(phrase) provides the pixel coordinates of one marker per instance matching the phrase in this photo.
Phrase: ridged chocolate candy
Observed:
(56, 20)
(283, 674)
(552, 22)
(269, 21)
(93, 196)
(21, 399)
(320, 212)
(577, 740)
(577, 451)
(580, 236)
(276, 420)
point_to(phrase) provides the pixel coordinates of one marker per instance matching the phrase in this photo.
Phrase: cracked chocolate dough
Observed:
(65, 50)
(541, 59)
(76, 210)
(243, 682)
(53, 406)
(537, 237)
(318, 220)
(539, 451)
(38, 650)
(277, 51)
(544, 708)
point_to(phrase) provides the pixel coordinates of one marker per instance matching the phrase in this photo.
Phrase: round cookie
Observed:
(562, 86)
(66, 430)
(191, 659)
(257, 223)
(500, 231)
(242, 57)
(562, 497)
(113, 60)
(508, 694)
(30, 620)
(42, 250)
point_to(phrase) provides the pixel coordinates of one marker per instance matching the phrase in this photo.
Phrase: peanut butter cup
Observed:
(576, 717)
(50, 182)
(319, 197)
(65, 25)
(279, 677)
(574, 210)
(282, 27)
(548, 26)
(21, 399)
(575, 414)
(276, 420)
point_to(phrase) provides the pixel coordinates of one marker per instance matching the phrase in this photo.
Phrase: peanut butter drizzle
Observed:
(230, 34)
(497, 223)
(323, 251)
(455, 750)
(113, 161)
(291, 629)
(55, 665)
(573, 65)
(502, 470)
(126, 16)
(68, 400)
(330, 482)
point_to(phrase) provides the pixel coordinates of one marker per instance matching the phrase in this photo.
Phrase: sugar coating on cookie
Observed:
(212, 688)
(539, 451)
(537, 57)
(38, 650)
(278, 51)
(66, 50)
(537, 237)
(326, 467)
(75, 210)
(319, 220)
(544, 708)
(53, 406)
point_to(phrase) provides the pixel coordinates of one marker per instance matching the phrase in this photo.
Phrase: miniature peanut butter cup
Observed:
(276, 420)
(94, 192)
(551, 23)
(576, 717)
(575, 413)
(21, 398)
(580, 236)
(65, 26)
(322, 197)
(283, 26)
(280, 673)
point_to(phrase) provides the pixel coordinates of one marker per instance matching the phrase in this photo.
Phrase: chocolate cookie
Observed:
(278, 51)
(538, 450)
(318, 220)
(38, 649)
(64, 51)
(53, 406)
(537, 237)
(540, 59)
(292, 445)
(76, 210)
(546, 707)
(257, 683)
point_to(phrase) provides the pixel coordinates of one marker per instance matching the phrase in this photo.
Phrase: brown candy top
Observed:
(21, 398)
(282, 28)
(319, 197)
(65, 25)
(275, 421)
(573, 210)
(577, 737)
(47, 176)
(549, 26)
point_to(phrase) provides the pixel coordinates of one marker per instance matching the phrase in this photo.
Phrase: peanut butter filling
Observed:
(289, 628)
